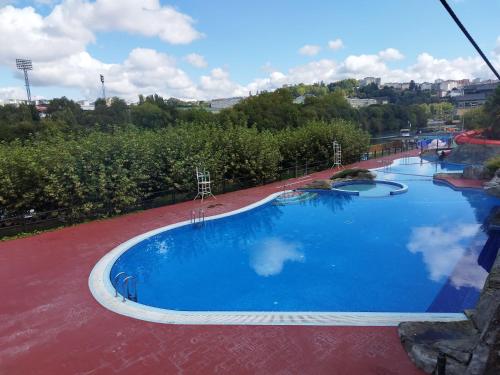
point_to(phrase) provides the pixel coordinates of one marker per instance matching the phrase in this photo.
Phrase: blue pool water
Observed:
(423, 251)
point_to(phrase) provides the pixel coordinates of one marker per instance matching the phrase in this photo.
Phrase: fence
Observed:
(33, 221)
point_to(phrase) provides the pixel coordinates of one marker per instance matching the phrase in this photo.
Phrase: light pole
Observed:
(103, 90)
(25, 65)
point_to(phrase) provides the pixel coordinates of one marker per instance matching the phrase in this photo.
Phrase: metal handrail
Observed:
(116, 279)
(126, 289)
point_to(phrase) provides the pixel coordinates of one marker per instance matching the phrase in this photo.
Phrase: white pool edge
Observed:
(101, 288)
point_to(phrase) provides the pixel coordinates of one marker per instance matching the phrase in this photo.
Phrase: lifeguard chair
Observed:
(204, 184)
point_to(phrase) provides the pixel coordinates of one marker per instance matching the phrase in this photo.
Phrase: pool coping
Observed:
(403, 188)
(103, 291)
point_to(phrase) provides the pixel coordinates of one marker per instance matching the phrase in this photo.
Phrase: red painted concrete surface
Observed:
(462, 182)
(51, 324)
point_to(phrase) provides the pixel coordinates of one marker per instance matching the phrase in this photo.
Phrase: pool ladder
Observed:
(198, 218)
(126, 281)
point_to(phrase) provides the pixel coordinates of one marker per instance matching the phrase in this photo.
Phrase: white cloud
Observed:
(146, 17)
(429, 68)
(196, 60)
(35, 37)
(497, 48)
(335, 44)
(71, 26)
(391, 54)
(144, 71)
(219, 84)
(309, 50)
(11, 92)
(426, 68)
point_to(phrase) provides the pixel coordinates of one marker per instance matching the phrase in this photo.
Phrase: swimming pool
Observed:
(415, 253)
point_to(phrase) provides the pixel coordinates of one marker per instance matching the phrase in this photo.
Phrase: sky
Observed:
(199, 49)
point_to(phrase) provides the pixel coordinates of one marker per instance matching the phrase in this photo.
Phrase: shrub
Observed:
(109, 172)
(492, 165)
(353, 174)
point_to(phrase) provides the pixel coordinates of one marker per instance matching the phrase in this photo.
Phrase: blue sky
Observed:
(241, 45)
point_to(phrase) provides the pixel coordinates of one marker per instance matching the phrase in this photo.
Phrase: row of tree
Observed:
(268, 111)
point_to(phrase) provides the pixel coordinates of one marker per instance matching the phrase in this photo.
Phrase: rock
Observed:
(472, 154)
(493, 186)
(425, 340)
(354, 174)
(486, 356)
(471, 346)
(477, 365)
(489, 300)
(459, 349)
(475, 172)
(319, 184)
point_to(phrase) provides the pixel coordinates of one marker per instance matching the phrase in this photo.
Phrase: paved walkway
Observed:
(462, 183)
(50, 323)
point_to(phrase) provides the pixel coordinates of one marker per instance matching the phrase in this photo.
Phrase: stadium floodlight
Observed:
(103, 90)
(25, 65)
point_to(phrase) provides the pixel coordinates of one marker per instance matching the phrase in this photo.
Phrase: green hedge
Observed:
(493, 164)
(112, 171)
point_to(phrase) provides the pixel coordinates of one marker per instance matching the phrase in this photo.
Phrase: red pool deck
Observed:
(461, 183)
(51, 324)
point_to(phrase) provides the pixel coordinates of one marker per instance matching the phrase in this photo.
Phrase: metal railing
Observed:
(126, 291)
(198, 219)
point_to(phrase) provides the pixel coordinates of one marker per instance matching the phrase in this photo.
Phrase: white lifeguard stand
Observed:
(337, 155)
(204, 184)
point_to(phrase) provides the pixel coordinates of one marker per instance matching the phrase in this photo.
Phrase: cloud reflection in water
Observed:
(450, 252)
(269, 256)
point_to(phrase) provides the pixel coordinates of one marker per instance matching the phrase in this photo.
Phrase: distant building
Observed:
(448, 85)
(368, 81)
(86, 105)
(14, 102)
(219, 104)
(474, 96)
(424, 86)
(394, 85)
(459, 91)
(302, 98)
(405, 86)
(359, 103)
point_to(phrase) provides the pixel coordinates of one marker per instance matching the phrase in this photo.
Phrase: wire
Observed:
(464, 30)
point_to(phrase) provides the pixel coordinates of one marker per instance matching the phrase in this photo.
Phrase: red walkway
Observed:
(461, 183)
(50, 323)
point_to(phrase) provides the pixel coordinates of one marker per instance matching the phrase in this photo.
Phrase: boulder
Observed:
(354, 174)
(425, 340)
(475, 172)
(472, 154)
(323, 184)
(471, 347)
(493, 186)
